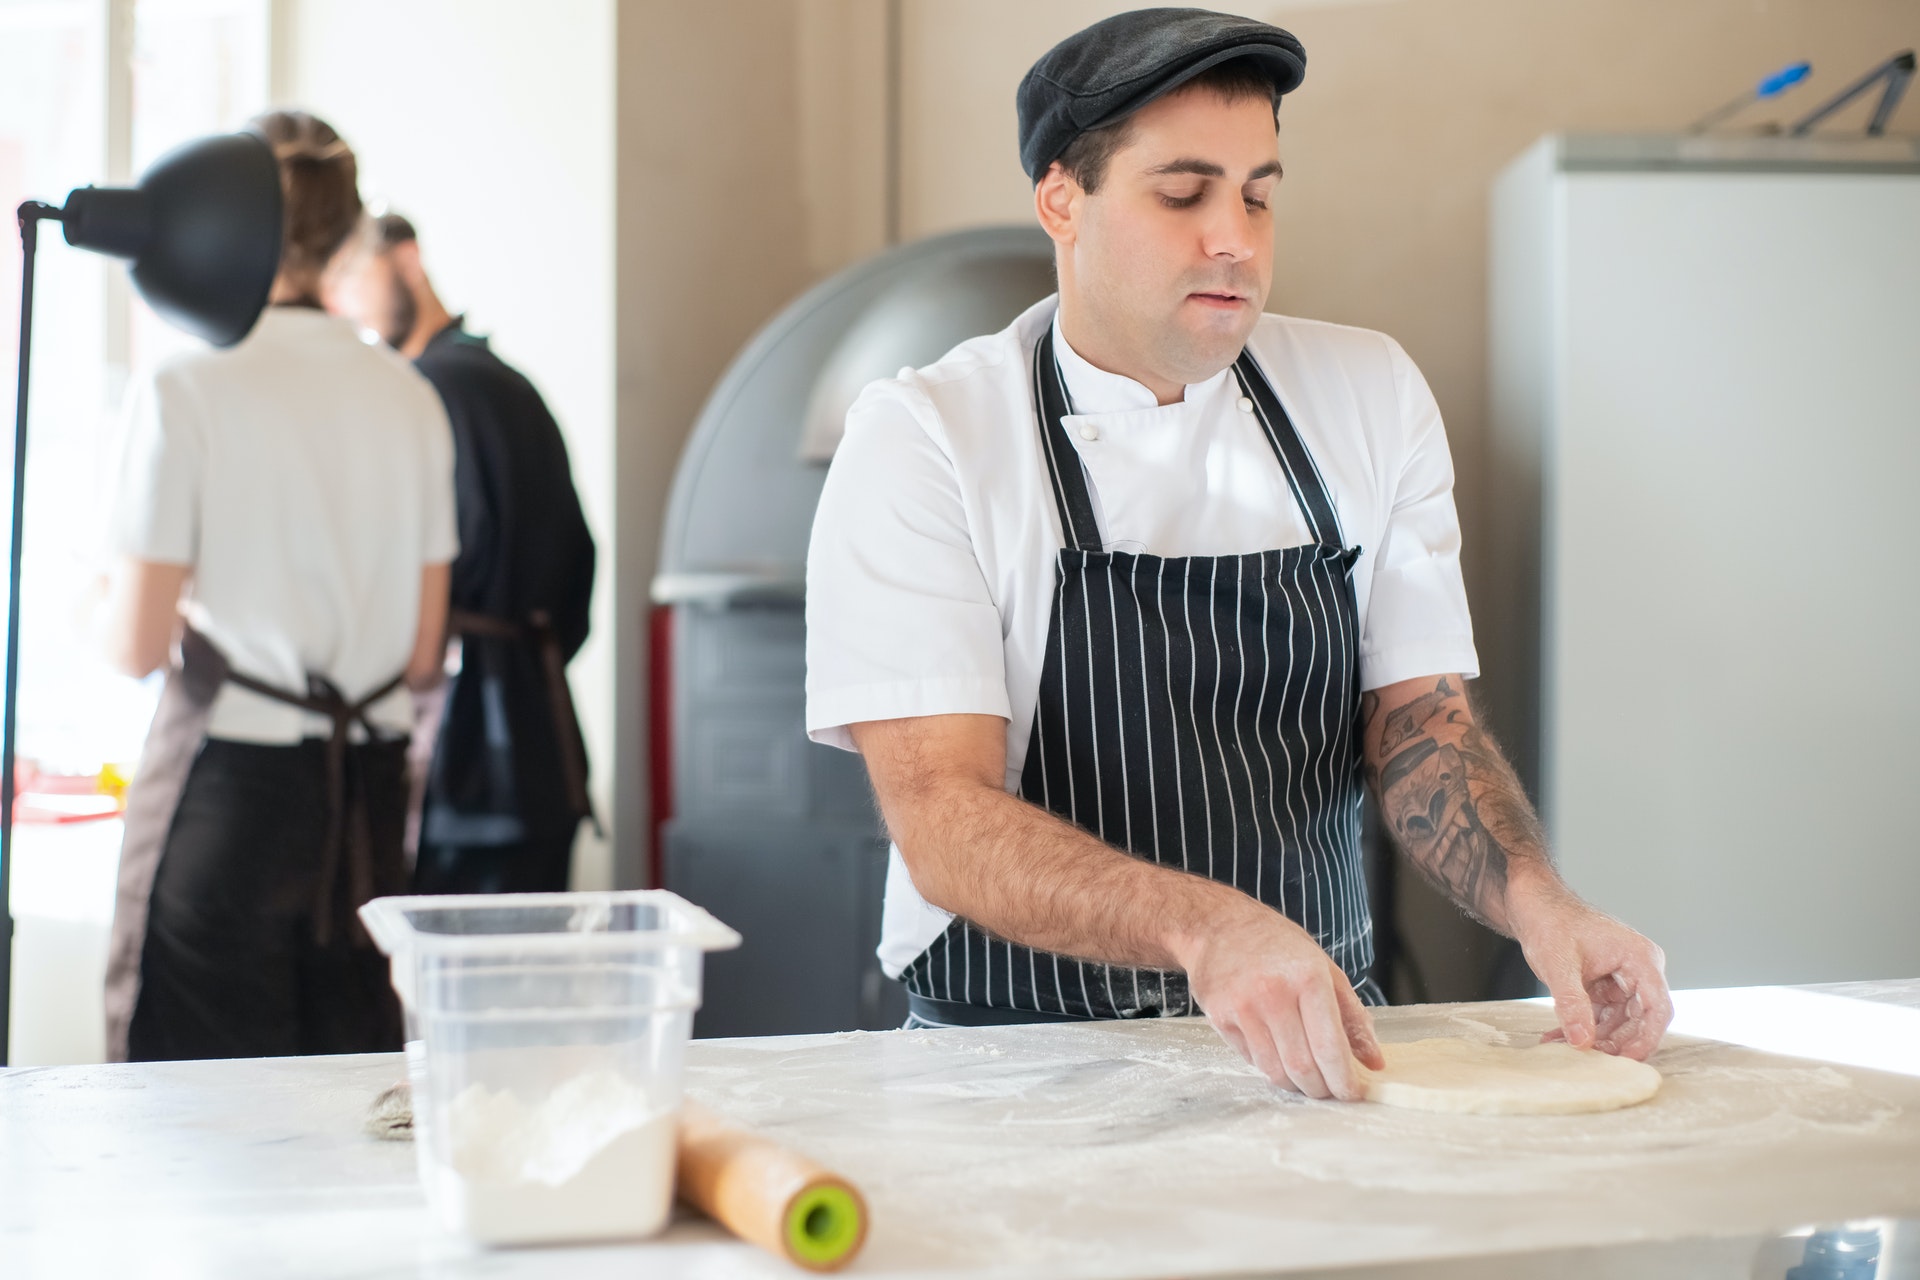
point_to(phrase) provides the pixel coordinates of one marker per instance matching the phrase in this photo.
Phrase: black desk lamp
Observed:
(201, 236)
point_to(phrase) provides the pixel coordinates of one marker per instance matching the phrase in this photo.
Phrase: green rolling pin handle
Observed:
(823, 1225)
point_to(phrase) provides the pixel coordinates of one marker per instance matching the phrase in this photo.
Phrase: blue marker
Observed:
(1771, 87)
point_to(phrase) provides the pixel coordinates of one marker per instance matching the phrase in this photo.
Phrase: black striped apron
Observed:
(1200, 711)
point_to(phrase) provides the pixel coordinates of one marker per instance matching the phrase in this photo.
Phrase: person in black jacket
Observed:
(505, 790)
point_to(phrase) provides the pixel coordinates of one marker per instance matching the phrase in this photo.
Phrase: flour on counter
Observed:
(594, 1160)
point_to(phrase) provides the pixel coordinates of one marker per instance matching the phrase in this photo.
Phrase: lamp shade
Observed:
(201, 233)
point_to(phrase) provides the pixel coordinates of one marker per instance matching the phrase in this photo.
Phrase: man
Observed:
(506, 787)
(1119, 604)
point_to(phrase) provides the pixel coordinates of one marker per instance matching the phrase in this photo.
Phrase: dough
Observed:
(390, 1118)
(1470, 1077)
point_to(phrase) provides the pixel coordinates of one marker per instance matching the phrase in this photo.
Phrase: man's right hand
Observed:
(1275, 996)
(1032, 877)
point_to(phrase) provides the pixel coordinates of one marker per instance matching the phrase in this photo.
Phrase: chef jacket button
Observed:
(1089, 432)
(1246, 405)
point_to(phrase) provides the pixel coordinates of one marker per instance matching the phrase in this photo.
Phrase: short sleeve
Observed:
(900, 621)
(440, 532)
(155, 510)
(1418, 623)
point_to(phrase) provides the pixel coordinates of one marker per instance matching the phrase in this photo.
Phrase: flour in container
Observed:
(593, 1161)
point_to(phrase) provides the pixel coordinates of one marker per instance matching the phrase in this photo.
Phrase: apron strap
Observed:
(1052, 404)
(349, 835)
(540, 631)
(1303, 474)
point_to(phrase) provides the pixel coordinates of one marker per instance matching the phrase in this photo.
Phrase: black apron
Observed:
(1200, 711)
(539, 633)
(476, 830)
(356, 845)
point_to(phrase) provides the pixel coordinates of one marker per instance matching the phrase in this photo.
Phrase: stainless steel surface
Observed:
(920, 316)
(1733, 153)
(728, 590)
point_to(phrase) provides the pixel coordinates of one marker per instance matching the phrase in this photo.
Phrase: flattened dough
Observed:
(1469, 1077)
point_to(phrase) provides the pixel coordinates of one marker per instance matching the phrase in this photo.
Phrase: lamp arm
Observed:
(31, 215)
(1895, 71)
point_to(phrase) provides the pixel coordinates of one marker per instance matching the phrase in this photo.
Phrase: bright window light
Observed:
(1805, 1024)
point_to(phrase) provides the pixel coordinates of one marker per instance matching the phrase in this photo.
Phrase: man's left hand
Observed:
(1608, 983)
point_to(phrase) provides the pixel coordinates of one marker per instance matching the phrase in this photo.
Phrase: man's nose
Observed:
(1231, 234)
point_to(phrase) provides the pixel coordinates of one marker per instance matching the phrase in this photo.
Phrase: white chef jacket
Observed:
(930, 576)
(307, 477)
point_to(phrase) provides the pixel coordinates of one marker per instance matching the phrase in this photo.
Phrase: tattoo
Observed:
(1405, 722)
(1428, 805)
(1451, 800)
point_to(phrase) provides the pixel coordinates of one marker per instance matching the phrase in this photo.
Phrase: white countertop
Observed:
(1111, 1150)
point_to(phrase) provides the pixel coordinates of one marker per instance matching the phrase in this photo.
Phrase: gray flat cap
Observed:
(1114, 67)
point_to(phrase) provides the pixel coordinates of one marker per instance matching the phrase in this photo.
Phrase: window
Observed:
(71, 114)
(198, 67)
(74, 112)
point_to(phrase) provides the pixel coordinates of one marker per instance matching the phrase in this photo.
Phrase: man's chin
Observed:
(1206, 349)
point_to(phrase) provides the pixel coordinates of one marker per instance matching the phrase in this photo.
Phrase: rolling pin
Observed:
(768, 1195)
(755, 1188)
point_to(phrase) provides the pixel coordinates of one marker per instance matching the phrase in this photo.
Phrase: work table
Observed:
(1108, 1150)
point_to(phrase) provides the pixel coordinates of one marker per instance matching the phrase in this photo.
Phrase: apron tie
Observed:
(539, 630)
(349, 836)
(172, 746)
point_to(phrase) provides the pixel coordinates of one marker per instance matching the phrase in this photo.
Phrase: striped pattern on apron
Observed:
(1199, 711)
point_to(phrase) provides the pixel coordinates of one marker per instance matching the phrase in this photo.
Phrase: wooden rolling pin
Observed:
(754, 1187)
(768, 1195)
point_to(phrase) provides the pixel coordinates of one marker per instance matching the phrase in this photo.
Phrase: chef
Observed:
(1124, 604)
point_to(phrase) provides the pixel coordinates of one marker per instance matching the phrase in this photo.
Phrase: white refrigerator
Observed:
(1705, 449)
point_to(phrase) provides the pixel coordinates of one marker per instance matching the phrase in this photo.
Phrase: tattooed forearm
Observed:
(1448, 795)
(1404, 722)
(1428, 803)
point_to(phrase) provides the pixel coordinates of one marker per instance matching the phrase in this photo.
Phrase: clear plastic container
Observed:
(546, 1034)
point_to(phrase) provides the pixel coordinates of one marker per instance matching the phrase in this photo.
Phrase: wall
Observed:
(713, 239)
(848, 128)
(491, 124)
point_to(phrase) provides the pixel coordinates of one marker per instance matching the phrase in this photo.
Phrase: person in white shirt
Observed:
(284, 521)
(1124, 604)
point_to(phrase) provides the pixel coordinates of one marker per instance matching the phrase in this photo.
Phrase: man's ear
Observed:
(406, 263)
(1056, 202)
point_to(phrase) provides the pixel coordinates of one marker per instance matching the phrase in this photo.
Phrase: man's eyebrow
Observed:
(1187, 164)
(1208, 169)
